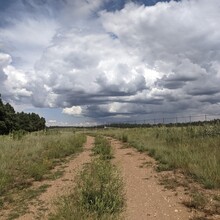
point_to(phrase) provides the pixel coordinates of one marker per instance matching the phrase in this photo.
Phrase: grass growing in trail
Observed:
(196, 150)
(102, 148)
(33, 155)
(98, 193)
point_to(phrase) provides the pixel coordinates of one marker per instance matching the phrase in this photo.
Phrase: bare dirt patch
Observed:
(146, 198)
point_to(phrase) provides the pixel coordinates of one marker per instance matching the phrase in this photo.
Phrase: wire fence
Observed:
(165, 120)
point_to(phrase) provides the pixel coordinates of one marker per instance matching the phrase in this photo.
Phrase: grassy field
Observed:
(27, 157)
(98, 193)
(193, 149)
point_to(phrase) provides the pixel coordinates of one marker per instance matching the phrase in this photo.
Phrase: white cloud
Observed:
(74, 110)
(26, 37)
(5, 60)
(84, 63)
(13, 84)
(52, 121)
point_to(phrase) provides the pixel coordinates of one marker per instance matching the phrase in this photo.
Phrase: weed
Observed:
(13, 215)
(18, 135)
(163, 167)
(146, 164)
(5, 179)
(169, 183)
(55, 175)
(140, 148)
(151, 152)
(102, 148)
(217, 198)
(100, 194)
(197, 201)
(124, 138)
(37, 171)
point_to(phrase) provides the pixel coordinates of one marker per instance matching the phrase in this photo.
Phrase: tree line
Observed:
(13, 121)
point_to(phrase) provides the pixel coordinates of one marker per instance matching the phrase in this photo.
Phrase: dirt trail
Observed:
(43, 206)
(146, 199)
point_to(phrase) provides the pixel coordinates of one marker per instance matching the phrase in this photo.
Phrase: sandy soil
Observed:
(146, 199)
(44, 205)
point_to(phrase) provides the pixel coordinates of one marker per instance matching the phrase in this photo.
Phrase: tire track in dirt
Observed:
(145, 198)
(44, 204)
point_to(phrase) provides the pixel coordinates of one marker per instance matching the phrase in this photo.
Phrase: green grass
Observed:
(194, 149)
(98, 193)
(33, 155)
(198, 201)
(23, 198)
(102, 148)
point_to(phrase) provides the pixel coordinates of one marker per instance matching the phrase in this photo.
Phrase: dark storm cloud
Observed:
(212, 100)
(204, 91)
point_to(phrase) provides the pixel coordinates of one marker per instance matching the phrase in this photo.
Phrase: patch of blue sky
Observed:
(114, 5)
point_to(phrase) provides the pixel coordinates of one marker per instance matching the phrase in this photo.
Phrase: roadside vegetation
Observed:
(98, 193)
(192, 152)
(28, 157)
(193, 149)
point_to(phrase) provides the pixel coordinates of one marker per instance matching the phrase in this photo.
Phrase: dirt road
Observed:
(146, 199)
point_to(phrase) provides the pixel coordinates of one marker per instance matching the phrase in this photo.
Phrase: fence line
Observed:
(166, 120)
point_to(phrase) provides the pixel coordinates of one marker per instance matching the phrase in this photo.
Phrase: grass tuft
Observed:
(197, 201)
(102, 148)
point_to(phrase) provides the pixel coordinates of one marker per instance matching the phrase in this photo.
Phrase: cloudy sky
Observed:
(95, 61)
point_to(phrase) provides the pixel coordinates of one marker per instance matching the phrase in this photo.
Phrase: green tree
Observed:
(10, 120)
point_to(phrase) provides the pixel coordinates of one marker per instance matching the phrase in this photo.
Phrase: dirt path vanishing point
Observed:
(146, 198)
(42, 207)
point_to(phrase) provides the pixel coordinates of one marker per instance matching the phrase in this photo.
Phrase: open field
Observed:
(193, 149)
(31, 156)
(174, 168)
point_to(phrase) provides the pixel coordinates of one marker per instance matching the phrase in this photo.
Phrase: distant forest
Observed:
(13, 121)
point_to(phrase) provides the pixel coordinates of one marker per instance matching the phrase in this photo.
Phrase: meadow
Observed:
(195, 150)
(28, 157)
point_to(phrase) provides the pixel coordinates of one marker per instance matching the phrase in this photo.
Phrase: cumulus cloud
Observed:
(102, 63)
(13, 83)
(26, 32)
(74, 110)
(178, 39)
(83, 66)
(5, 60)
